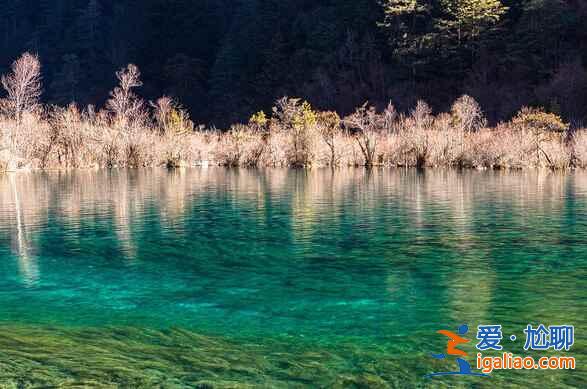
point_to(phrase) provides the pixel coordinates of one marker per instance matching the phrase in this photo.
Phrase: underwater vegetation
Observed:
(126, 357)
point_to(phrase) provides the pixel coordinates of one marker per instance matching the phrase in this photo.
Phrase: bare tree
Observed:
(467, 114)
(127, 107)
(163, 109)
(23, 85)
(329, 127)
(365, 125)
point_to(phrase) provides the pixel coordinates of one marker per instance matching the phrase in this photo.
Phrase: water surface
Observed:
(282, 278)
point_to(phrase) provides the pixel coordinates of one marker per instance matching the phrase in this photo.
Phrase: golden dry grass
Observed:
(296, 136)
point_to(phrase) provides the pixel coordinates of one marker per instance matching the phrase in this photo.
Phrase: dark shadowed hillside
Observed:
(226, 59)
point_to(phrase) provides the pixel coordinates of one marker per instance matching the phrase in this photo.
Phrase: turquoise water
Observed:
(282, 278)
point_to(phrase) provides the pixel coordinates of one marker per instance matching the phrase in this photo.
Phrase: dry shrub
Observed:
(170, 117)
(30, 141)
(277, 150)
(415, 131)
(546, 133)
(107, 148)
(391, 143)
(511, 149)
(557, 153)
(467, 114)
(254, 148)
(447, 143)
(138, 148)
(69, 138)
(126, 134)
(231, 146)
(4, 160)
(202, 146)
(162, 111)
(173, 128)
(70, 135)
(478, 150)
(241, 146)
(133, 147)
(298, 120)
(391, 147)
(7, 157)
(445, 148)
(365, 125)
(329, 129)
(579, 148)
(172, 150)
(344, 153)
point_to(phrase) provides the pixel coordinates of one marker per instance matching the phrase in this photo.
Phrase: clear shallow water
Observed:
(281, 277)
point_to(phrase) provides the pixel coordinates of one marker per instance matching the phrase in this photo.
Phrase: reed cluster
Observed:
(294, 136)
(128, 132)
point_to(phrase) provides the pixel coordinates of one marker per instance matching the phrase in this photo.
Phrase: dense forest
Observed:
(225, 60)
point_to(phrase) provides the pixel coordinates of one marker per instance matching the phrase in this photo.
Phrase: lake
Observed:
(284, 278)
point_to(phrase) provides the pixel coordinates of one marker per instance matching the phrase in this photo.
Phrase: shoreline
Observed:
(307, 168)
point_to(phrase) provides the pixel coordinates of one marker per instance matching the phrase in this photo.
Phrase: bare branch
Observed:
(23, 85)
(127, 107)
